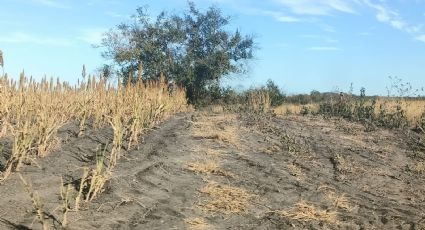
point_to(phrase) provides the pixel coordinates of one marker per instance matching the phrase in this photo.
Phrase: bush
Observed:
(275, 94)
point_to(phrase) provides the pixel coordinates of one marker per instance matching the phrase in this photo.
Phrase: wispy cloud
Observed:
(324, 48)
(287, 19)
(365, 34)
(10, 22)
(421, 37)
(24, 38)
(414, 29)
(320, 38)
(391, 17)
(313, 11)
(103, 2)
(279, 16)
(281, 45)
(386, 15)
(328, 28)
(117, 15)
(52, 3)
(92, 36)
(317, 7)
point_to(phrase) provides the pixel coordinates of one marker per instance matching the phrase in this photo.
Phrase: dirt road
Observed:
(229, 171)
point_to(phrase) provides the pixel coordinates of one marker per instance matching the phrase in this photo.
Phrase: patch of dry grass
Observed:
(307, 212)
(341, 164)
(286, 109)
(213, 152)
(296, 171)
(417, 167)
(208, 167)
(340, 201)
(271, 149)
(216, 109)
(220, 127)
(197, 224)
(225, 199)
(414, 109)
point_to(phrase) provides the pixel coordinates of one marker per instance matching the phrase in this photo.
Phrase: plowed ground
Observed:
(208, 170)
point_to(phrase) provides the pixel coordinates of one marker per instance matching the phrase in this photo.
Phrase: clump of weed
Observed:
(216, 128)
(65, 192)
(340, 201)
(275, 148)
(96, 179)
(417, 167)
(296, 171)
(421, 123)
(225, 199)
(307, 212)
(392, 119)
(36, 202)
(197, 224)
(305, 110)
(258, 101)
(290, 143)
(209, 167)
(364, 110)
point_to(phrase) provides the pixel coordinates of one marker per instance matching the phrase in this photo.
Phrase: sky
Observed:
(303, 45)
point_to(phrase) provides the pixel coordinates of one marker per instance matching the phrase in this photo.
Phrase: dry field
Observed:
(138, 158)
(414, 109)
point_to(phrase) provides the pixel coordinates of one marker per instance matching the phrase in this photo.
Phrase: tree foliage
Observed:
(275, 94)
(194, 48)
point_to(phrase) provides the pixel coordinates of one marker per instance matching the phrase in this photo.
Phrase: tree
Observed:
(211, 51)
(105, 71)
(276, 95)
(1, 61)
(193, 48)
(363, 92)
(143, 43)
(316, 96)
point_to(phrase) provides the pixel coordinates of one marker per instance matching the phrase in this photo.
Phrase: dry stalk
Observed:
(36, 202)
(66, 201)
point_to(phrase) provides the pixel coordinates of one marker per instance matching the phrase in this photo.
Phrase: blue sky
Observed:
(303, 44)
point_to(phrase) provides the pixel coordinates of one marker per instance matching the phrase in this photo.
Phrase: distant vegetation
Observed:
(1, 61)
(403, 107)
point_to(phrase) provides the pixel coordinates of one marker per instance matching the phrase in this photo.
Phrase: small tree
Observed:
(194, 48)
(276, 95)
(143, 43)
(316, 96)
(1, 61)
(106, 71)
(211, 51)
(363, 92)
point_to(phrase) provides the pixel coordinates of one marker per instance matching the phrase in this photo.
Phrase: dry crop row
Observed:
(31, 114)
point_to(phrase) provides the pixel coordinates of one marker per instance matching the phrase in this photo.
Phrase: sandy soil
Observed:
(230, 171)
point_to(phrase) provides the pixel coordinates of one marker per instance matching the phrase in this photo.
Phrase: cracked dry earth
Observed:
(208, 170)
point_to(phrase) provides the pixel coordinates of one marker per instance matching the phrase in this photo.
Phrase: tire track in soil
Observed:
(150, 188)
